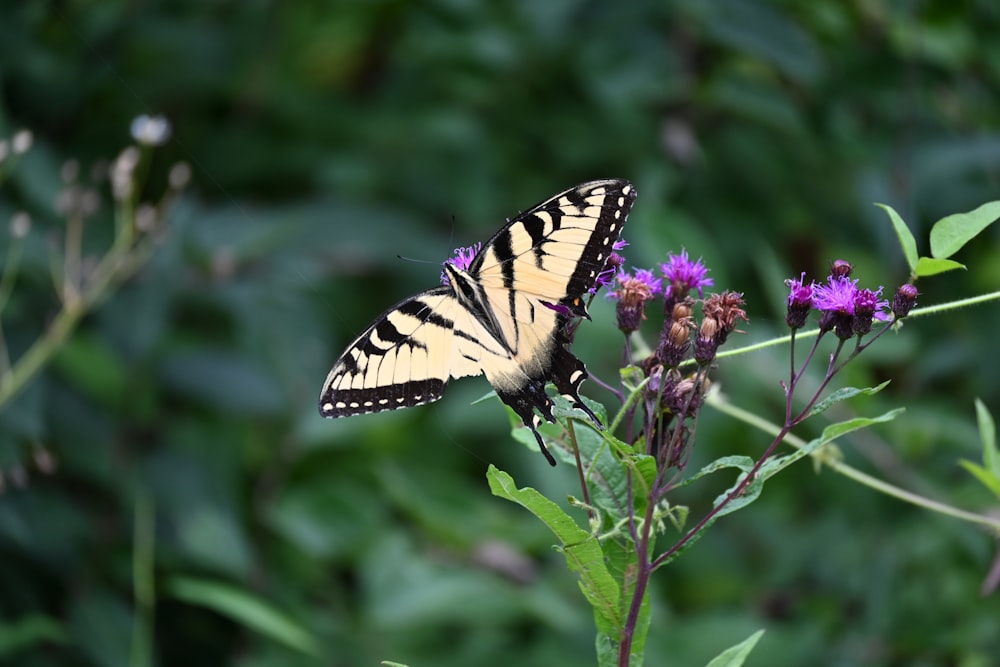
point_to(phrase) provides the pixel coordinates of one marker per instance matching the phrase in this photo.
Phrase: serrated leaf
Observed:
(834, 431)
(778, 463)
(582, 550)
(905, 236)
(928, 266)
(744, 463)
(843, 394)
(242, 607)
(734, 656)
(622, 560)
(950, 233)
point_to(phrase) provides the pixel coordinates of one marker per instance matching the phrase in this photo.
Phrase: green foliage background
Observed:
(328, 137)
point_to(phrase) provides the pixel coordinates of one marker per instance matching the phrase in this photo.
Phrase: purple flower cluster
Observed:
(845, 308)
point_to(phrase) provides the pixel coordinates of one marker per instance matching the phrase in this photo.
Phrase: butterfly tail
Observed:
(524, 402)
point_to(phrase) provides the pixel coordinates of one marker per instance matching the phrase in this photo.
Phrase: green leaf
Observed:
(830, 433)
(775, 464)
(834, 431)
(582, 550)
(843, 394)
(389, 663)
(906, 240)
(950, 233)
(744, 463)
(622, 560)
(928, 266)
(94, 368)
(29, 631)
(242, 607)
(988, 474)
(734, 656)
(988, 436)
(984, 476)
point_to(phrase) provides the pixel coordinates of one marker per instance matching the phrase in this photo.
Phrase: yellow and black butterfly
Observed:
(503, 316)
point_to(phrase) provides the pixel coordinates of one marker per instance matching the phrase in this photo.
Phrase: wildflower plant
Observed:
(80, 278)
(628, 472)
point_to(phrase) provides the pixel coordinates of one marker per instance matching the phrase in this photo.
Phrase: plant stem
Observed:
(642, 575)
(116, 265)
(143, 591)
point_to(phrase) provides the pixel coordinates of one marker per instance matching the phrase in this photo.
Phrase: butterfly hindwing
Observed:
(402, 360)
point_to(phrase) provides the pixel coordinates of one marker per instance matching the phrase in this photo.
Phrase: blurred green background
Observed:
(326, 138)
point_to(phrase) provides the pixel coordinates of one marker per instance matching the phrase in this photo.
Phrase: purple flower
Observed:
(461, 260)
(837, 295)
(800, 300)
(835, 300)
(848, 309)
(904, 300)
(683, 275)
(868, 306)
(632, 293)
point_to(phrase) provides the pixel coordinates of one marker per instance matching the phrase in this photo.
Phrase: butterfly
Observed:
(503, 315)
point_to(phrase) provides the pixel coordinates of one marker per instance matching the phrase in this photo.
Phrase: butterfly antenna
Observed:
(414, 259)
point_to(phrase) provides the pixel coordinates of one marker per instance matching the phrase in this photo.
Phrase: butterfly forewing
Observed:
(556, 249)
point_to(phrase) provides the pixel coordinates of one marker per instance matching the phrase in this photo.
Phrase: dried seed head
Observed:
(180, 175)
(70, 171)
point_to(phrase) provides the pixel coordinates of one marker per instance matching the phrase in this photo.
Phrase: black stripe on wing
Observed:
(618, 199)
(347, 402)
(613, 198)
(383, 343)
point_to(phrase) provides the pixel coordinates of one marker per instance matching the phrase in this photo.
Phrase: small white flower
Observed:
(150, 130)
(22, 141)
(122, 171)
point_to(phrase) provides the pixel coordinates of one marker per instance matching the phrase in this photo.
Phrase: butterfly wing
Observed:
(533, 272)
(407, 355)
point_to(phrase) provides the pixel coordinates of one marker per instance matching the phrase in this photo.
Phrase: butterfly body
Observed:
(504, 316)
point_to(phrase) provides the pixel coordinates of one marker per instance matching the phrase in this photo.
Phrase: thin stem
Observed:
(579, 466)
(719, 403)
(642, 575)
(72, 276)
(810, 333)
(737, 490)
(143, 591)
(10, 270)
(116, 265)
